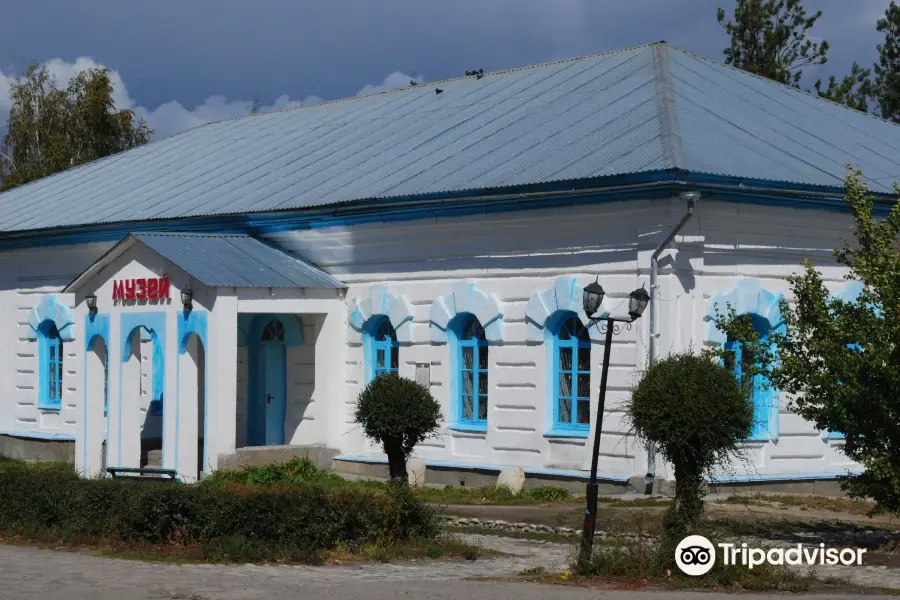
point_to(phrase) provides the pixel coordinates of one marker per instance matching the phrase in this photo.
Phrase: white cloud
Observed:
(173, 117)
(391, 82)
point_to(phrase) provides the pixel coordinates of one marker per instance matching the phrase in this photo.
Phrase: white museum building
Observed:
(233, 288)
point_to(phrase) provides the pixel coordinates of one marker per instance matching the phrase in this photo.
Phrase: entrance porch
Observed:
(241, 345)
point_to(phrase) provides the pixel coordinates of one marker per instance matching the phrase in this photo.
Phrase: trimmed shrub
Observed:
(299, 521)
(397, 413)
(694, 410)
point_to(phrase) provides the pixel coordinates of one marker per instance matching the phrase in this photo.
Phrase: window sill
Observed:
(567, 433)
(49, 409)
(468, 427)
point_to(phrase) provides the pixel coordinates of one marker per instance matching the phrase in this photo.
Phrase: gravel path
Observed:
(30, 573)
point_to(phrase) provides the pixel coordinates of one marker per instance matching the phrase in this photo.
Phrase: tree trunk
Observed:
(687, 506)
(396, 462)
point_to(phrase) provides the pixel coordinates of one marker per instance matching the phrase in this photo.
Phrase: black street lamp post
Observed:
(592, 299)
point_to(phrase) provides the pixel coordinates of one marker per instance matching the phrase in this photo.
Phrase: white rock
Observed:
(513, 479)
(415, 471)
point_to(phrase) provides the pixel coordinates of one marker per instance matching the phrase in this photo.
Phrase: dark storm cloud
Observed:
(189, 50)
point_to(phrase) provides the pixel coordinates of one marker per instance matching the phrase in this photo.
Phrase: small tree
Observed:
(840, 358)
(397, 413)
(694, 410)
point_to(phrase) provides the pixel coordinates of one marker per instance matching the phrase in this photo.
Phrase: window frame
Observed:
(382, 338)
(51, 370)
(765, 399)
(479, 345)
(578, 343)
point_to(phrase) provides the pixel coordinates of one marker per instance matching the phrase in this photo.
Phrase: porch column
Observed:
(221, 419)
(331, 372)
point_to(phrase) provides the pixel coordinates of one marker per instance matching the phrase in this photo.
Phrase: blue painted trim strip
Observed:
(788, 477)
(567, 433)
(36, 435)
(585, 475)
(469, 427)
(470, 466)
(657, 184)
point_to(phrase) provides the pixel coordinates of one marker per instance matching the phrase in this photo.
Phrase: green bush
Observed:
(397, 413)
(299, 521)
(695, 411)
(294, 471)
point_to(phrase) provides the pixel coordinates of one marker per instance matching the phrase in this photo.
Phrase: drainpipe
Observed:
(690, 198)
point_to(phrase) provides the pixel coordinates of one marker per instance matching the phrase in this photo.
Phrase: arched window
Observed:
(740, 361)
(472, 361)
(572, 375)
(50, 384)
(384, 352)
(274, 332)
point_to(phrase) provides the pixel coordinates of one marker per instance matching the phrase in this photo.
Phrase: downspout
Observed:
(691, 198)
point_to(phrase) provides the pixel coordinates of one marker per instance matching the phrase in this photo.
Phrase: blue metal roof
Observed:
(235, 260)
(639, 110)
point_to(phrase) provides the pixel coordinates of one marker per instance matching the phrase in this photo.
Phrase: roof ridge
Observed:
(670, 131)
(809, 93)
(442, 81)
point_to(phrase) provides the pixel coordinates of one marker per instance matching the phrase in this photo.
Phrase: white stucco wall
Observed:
(509, 256)
(515, 255)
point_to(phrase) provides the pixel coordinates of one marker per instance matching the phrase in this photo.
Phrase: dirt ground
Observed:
(810, 521)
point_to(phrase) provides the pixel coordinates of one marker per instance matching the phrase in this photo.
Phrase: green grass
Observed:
(493, 495)
(511, 533)
(301, 470)
(293, 472)
(240, 550)
(811, 503)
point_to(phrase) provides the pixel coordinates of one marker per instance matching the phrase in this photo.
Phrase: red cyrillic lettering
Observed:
(164, 286)
(140, 289)
(129, 289)
(118, 290)
(153, 288)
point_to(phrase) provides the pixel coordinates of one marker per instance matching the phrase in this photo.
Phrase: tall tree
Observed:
(854, 90)
(769, 38)
(52, 129)
(887, 71)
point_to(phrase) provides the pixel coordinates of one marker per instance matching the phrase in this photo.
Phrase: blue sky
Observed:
(179, 64)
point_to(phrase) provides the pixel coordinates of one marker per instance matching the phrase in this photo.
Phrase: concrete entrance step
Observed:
(257, 456)
(154, 459)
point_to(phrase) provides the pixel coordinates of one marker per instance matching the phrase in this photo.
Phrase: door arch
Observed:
(125, 411)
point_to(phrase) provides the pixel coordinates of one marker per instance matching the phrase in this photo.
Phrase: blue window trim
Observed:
(379, 336)
(578, 345)
(479, 346)
(51, 354)
(764, 398)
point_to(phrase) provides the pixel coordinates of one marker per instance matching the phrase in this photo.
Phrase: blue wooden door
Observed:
(274, 391)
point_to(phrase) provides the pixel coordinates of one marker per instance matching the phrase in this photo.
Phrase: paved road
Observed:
(33, 574)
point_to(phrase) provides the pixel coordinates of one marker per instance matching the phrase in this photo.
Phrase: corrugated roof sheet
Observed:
(637, 110)
(220, 260)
